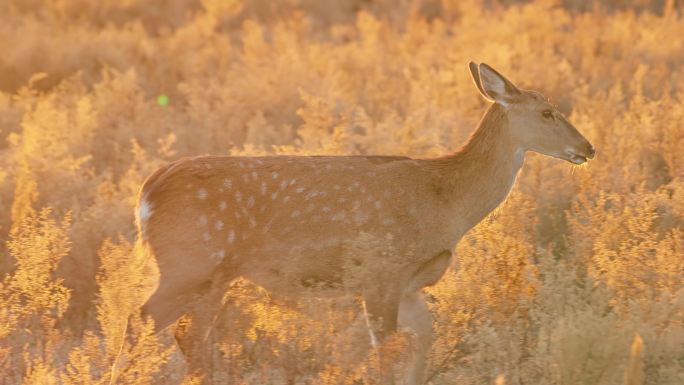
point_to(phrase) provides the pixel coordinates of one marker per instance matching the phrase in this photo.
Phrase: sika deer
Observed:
(288, 223)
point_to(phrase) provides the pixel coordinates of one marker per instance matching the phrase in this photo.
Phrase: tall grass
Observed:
(552, 289)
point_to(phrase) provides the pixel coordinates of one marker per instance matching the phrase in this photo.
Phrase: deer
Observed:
(285, 223)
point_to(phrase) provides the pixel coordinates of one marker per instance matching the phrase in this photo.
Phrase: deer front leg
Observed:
(415, 316)
(381, 309)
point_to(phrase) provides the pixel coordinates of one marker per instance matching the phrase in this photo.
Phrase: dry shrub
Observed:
(33, 299)
(551, 289)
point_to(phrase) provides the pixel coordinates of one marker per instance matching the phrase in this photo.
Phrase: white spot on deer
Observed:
(286, 199)
(274, 175)
(252, 222)
(231, 236)
(218, 225)
(238, 196)
(377, 205)
(293, 181)
(283, 184)
(337, 187)
(363, 190)
(371, 173)
(310, 208)
(255, 176)
(388, 221)
(223, 205)
(274, 195)
(386, 194)
(300, 189)
(218, 256)
(250, 202)
(339, 216)
(311, 194)
(242, 165)
(295, 214)
(206, 237)
(326, 209)
(227, 183)
(360, 217)
(267, 227)
(202, 193)
(263, 188)
(203, 220)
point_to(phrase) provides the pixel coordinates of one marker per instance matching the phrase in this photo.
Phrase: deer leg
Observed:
(168, 304)
(194, 329)
(178, 287)
(382, 307)
(415, 316)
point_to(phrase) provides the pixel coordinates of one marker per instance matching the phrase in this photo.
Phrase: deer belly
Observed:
(293, 271)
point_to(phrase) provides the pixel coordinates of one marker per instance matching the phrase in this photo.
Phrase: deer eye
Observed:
(547, 114)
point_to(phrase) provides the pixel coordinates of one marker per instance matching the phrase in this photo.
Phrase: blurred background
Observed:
(576, 280)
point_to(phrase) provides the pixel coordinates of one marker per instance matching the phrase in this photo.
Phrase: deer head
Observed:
(534, 123)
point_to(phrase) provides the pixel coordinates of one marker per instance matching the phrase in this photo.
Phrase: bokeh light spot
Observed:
(163, 100)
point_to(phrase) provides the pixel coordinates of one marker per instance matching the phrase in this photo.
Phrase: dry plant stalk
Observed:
(634, 374)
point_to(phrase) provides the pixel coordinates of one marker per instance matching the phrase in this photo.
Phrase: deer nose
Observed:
(592, 152)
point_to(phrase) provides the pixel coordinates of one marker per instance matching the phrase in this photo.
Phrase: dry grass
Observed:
(552, 289)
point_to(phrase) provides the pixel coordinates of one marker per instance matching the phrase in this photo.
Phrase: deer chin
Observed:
(575, 158)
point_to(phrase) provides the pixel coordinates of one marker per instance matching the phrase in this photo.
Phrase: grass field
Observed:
(577, 279)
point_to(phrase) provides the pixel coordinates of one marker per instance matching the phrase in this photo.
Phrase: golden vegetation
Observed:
(578, 278)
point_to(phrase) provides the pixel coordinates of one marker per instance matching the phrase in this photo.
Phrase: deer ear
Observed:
(475, 72)
(496, 87)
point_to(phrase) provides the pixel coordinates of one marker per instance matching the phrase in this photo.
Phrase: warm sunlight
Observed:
(496, 196)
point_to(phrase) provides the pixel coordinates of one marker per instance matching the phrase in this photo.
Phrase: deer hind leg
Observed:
(193, 331)
(180, 282)
(415, 316)
(168, 303)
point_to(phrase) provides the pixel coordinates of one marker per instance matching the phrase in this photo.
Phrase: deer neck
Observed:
(478, 177)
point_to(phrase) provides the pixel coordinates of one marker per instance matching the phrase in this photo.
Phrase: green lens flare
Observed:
(163, 100)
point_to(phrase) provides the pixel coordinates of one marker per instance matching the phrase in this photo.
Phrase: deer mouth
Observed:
(578, 158)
